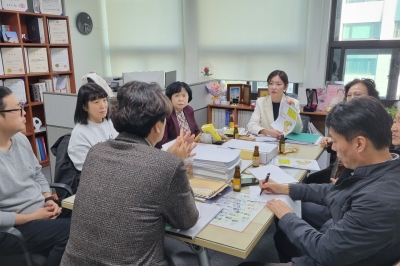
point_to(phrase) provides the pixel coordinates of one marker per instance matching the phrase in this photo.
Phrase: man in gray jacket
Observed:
(25, 198)
(364, 228)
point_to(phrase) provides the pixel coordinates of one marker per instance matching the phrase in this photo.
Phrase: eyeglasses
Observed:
(21, 109)
(356, 94)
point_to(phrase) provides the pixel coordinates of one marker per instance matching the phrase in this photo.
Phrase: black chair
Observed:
(27, 258)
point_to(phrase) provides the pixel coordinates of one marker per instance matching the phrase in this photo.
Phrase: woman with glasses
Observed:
(92, 124)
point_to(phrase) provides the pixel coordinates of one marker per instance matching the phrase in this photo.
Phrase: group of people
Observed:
(129, 188)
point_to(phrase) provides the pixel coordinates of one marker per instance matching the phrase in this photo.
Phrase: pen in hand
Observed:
(266, 180)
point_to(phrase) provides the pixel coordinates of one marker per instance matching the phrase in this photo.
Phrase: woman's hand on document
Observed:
(183, 145)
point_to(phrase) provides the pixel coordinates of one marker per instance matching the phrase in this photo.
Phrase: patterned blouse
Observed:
(183, 124)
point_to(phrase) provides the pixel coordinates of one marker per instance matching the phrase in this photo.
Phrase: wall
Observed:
(89, 51)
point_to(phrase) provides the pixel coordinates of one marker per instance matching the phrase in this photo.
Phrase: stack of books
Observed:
(215, 163)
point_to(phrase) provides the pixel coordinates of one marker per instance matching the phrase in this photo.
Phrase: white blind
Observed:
(247, 39)
(145, 35)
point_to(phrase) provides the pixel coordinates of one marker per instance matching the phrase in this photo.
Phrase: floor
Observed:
(182, 255)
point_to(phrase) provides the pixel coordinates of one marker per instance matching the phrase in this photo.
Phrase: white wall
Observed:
(89, 51)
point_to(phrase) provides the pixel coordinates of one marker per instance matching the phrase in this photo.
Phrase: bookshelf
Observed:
(18, 23)
(317, 117)
(235, 109)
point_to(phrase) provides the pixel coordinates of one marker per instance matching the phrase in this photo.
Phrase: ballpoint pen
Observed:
(266, 180)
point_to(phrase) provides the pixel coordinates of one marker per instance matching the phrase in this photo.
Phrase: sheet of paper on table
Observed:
(255, 196)
(276, 174)
(296, 163)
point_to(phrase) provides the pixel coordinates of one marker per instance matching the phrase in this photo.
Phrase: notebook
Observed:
(205, 188)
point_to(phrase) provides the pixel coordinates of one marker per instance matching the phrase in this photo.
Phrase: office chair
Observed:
(27, 258)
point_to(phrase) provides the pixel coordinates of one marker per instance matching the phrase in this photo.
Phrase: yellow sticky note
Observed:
(284, 161)
(292, 113)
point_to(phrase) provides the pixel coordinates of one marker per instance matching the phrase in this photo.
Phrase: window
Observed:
(396, 29)
(362, 30)
(363, 44)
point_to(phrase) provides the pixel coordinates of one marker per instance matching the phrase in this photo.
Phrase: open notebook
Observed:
(207, 212)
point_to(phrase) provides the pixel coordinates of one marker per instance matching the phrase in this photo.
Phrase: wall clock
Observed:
(84, 23)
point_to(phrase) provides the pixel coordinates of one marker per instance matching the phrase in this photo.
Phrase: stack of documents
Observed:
(303, 138)
(217, 164)
(205, 189)
(267, 150)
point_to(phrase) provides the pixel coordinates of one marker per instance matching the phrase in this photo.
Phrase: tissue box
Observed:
(267, 150)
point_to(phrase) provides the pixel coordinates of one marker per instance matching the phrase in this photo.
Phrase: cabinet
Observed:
(18, 23)
(317, 118)
(217, 114)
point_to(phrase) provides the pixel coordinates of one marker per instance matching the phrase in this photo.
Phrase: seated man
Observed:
(25, 198)
(129, 189)
(365, 214)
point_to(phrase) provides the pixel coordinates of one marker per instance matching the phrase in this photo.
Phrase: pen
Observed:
(266, 180)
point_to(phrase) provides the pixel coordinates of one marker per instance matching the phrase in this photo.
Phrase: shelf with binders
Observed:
(238, 112)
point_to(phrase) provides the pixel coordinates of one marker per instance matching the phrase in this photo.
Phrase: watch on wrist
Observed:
(50, 198)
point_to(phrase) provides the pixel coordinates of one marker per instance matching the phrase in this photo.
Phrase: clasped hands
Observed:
(183, 146)
(278, 207)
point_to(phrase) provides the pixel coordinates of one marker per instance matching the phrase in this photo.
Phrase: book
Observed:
(59, 59)
(58, 31)
(207, 212)
(37, 90)
(13, 61)
(9, 36)
(36, 29)
(18, 88)
(1, 65)
(44, 148)
(39, 143)
(49, 84)
(205, 188)
(37, 60)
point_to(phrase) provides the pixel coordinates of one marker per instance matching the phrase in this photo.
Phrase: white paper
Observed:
(59, 84)
(16, 5)
(51, 7)
(265, 139)
(286, 120)
(255, 196)
(58, 32)
(59, 59)
(206, 213)
(238, 211)
(249, 145)
(296, 163)
(18, 88)
(276, 174)
(37, 58)
(13, 61)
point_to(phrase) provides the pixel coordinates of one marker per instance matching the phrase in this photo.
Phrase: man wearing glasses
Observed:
(25, 198)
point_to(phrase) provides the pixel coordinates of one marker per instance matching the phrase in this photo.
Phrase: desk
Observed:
(238, 244)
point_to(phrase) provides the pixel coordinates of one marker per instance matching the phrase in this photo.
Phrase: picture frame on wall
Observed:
(246, 94)
(234, 92)
(263, 93)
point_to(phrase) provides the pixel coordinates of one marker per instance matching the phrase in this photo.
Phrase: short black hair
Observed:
(87, 93)
(363, 116)
(176, 87)
(282, 75)
(139, 106)
(369, 83)
(4, 91)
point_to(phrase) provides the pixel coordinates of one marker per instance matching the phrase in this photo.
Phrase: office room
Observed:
(85, 77)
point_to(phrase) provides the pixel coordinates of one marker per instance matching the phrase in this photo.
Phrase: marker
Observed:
(266, 180)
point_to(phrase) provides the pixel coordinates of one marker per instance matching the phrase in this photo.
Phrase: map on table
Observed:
(237, 211)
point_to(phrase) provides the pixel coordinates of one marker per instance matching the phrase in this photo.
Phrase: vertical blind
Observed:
(248, 39)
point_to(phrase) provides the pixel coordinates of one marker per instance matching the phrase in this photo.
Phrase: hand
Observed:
(53, 206)
(326, 142)
(272, 132)
(279, 208)
(333, 180)
(183, 146)
(271, 187)
(45, 213)
(290, 100)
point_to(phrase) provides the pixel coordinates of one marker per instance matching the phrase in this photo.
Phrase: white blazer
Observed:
(263, 115)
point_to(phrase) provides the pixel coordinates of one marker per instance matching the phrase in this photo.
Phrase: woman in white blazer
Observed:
(267, 108)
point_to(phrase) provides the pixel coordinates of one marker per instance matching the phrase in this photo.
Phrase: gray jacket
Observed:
(127, 191)
(365, 224)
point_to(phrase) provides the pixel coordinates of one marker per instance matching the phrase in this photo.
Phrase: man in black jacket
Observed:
(364, 228)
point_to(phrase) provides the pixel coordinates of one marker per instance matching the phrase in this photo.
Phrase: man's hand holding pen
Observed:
(278, 207)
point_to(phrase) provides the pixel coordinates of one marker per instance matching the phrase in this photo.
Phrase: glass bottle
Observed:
(236, 132)
(237, 179)
(256, 157)
(282, 144)
(231, 121)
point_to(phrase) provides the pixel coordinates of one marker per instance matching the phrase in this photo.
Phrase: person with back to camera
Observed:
(182, 116)
(267, 108)
(363, 228)
(129, 189)
(92, 124)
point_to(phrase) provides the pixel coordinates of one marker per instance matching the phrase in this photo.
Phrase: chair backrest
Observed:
(65, 171)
